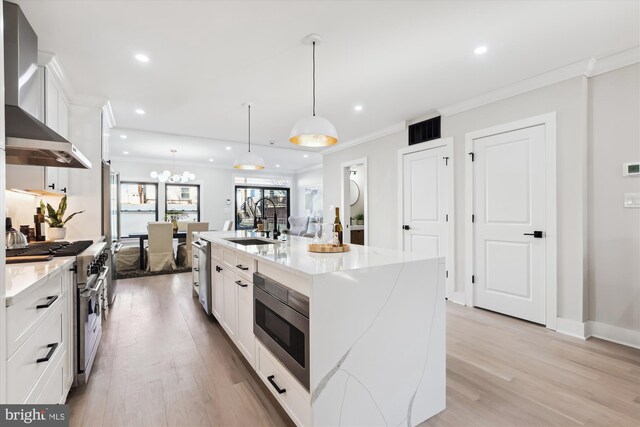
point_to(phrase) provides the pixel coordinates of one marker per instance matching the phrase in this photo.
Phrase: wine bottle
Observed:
(337, 227)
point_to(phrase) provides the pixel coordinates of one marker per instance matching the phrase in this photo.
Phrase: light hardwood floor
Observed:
(163, 362)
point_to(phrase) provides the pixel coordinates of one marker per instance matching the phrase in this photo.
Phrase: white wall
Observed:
(216, 186)
(308, 179)
(569, 100)
(614, 232)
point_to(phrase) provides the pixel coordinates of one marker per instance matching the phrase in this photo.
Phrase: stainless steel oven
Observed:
(281, 323)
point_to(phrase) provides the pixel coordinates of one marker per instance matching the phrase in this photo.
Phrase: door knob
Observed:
(406, 227)
(535, 234)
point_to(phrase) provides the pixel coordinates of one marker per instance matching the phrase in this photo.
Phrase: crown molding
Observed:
(398, 127)
(615, 61)
(49, 60)
(588, 67)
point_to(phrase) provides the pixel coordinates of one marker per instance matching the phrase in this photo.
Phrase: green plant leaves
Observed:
(62, 208)
(71, 216)
(54, 217)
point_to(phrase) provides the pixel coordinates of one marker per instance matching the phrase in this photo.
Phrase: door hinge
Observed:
(447, 274)
(446, 218)
(446, 161)
(473, 156)
(473, 279)
(473, 218)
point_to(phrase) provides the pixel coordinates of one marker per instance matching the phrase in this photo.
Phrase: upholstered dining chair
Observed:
(160, 250)
(184, 250)
(298, 225)
(228, 225)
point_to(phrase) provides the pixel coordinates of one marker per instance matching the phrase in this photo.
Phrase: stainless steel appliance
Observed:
(14, 238)
(29, 141)
(89, 300)
(201, 253)
(111, 224)
(281, 323)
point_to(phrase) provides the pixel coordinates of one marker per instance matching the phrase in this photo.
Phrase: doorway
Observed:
(426, 203)
(355, 202)
(511, 229)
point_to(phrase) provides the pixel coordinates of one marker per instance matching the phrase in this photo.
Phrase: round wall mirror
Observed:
(354, 192)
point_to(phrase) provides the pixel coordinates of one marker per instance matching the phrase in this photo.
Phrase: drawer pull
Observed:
(50, 301)
(196, 269)
(52, 350)
(241, 267)
(242, 285)
(273, 383)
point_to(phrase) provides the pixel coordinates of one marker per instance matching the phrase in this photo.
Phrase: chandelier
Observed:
(168, 176)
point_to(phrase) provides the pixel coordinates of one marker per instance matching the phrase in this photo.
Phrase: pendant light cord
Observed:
(249, 107)
(314, 78)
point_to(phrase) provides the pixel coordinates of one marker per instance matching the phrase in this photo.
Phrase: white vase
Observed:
(360, 222)
(56, 233)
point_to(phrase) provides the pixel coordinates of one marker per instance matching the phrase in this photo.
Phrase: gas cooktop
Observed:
(55, 249)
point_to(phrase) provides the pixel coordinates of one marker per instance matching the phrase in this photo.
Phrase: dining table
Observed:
(145, 236)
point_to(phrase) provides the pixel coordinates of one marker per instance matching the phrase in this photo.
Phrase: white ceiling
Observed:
(398, 59)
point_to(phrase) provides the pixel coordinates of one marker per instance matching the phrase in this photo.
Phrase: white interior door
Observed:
(509, 205)
(425, 193)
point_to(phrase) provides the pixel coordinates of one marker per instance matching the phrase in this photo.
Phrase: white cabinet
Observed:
(56, 116)
(217, 291)
(37, 179)
(68, 287)
(229, 317)
(246, 339)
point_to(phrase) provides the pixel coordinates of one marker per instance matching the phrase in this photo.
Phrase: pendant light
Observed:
(313, 131)
(171, 178)
(249, 160)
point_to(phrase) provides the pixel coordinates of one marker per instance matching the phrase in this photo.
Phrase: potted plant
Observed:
(54, 218)
(173, 217)
(360, 219)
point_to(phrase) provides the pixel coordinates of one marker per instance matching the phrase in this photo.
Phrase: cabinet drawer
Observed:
(216, 252)
(43, 348)
(229, 258)
(295, 399)
(24, 316)
(245, 266)
(51, 389)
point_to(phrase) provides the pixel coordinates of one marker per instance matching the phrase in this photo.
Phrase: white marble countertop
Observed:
(292, 255)
(23, 278)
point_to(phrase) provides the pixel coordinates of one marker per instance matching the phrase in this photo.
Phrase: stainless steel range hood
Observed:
(29, 140)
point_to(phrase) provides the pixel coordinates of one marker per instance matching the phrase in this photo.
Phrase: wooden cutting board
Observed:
(32, 258)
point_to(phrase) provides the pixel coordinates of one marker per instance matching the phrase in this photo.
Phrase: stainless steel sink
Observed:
(248, 241)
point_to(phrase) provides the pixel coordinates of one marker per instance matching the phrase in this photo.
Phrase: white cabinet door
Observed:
(51, 179)
(230, 312)
(246, 341)
(68, 286)
(51, 102)
(63, 117)
(217, 291)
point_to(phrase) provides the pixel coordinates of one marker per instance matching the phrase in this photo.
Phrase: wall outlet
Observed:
(632, 200)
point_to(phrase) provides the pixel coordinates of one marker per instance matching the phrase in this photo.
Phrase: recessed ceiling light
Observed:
(142, 58)
(228, 148)
(211, 160)
(140, 111)
(358, 108)
(277, 166)
(125, 152)
(480, 50)
(305, 156)
(123, 136)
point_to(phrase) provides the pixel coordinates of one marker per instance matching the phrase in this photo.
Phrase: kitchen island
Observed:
(375, 343)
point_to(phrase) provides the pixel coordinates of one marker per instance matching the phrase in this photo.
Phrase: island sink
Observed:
(250, 241)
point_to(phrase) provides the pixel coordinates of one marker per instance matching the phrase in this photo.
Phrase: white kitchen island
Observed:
(376, 328)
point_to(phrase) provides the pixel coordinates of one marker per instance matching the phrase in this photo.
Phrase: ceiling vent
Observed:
(424, 131)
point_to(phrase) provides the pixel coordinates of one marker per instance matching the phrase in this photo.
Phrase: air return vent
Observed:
(424, 131)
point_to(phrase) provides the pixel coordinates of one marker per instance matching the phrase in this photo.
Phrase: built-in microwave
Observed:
(281, 323)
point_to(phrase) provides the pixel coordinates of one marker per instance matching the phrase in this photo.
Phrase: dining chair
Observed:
(160, 250)
(184, 249)
(228, 225)
(182, 228)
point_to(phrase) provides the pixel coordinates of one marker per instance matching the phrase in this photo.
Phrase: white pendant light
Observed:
(313, 131)
(249, 160)
(167, 176)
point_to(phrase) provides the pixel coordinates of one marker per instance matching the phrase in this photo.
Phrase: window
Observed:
(183, 200)
(246, 209)
(138, 206)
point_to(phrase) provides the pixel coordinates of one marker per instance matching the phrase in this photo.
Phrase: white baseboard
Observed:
(571, 327)
(616, 334)
(458, 298)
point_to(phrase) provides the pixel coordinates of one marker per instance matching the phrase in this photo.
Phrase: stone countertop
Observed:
(23, 278)
(292, 255)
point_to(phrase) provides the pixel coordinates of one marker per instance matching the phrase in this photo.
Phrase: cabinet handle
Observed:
(242, 268)
(273, 383)
(242, 285)
(64, 190)
(406, 227)
(195, 256)
(195, 269)
(52, 350)
(51, 300)
(52, 186)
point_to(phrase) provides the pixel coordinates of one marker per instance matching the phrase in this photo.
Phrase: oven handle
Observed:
(273, 383)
